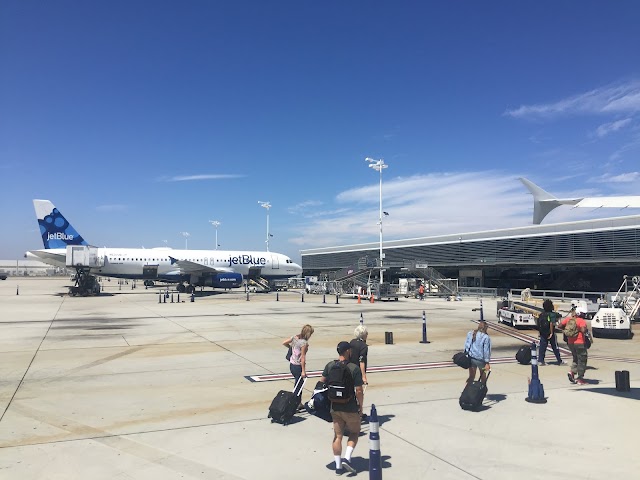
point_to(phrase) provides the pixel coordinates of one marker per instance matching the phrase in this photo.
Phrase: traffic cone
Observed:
(372, 301)
(359, 301)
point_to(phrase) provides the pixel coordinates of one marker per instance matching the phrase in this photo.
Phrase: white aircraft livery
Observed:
(214, 268)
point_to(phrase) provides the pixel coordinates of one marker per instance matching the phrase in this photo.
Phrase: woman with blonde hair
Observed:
(299, 347)
(478, 345)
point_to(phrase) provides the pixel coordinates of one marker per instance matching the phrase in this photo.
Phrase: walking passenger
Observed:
(575, 329)
(344, 383)
(299, 347)
(546, 326)
(359, 353)
(478, 344)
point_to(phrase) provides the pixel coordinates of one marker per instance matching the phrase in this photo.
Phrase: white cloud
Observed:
(612, 99)
(111, 208)
(422, 205)
(628, 177)
(303, 207)
(607, 128)
(449, 204)
(189, 178)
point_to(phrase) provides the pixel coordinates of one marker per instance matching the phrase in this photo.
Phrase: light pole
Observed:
(266, 205)
(379, 165)
(186, 235)
(216, 224)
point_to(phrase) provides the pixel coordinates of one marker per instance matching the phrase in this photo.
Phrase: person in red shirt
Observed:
(575, 341)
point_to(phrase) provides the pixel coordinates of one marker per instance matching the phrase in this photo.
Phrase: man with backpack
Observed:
(344, 389)
(575, 329)
(546, 327)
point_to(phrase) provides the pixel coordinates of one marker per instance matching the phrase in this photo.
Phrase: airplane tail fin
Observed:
(543, 201)
(55, 230)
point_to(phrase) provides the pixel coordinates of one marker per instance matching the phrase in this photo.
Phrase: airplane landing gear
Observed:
(149, 283)
(181, 288)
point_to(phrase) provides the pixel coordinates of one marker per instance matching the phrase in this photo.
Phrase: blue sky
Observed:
(144, 119)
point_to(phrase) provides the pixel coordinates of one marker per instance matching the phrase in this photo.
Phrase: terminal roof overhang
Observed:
(599, 225)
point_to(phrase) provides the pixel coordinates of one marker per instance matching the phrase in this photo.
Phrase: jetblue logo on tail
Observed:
(59, 236)
(56, 231)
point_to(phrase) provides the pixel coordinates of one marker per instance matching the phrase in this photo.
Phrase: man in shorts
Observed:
(346, 416)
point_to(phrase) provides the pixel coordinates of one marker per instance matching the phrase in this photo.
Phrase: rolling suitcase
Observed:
(473, 395)
(523, 356)
(285, 403)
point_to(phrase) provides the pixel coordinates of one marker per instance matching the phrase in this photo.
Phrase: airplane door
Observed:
(150, 271)
(275, 263)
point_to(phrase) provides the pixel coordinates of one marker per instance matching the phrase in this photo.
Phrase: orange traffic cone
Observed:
(359, 301)
(372, 298)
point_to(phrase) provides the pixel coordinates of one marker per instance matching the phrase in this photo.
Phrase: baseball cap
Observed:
(343, 347)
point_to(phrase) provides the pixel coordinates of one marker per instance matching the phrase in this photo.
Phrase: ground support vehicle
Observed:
(516, 314)
(621, 310)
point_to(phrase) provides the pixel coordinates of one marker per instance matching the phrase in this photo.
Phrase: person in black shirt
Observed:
(360, 350)
(546, 327)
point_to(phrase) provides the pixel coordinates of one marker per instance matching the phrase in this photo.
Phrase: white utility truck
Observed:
(622, 309)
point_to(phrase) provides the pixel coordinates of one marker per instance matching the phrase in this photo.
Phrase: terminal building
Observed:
(591, 255)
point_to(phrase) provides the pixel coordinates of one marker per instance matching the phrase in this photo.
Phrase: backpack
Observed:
(543, 322)
(340, 384)
(571, 328)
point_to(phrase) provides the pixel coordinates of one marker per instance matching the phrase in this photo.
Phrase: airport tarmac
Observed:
(123, 387)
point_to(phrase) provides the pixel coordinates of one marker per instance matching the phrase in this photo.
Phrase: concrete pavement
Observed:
(120, 386)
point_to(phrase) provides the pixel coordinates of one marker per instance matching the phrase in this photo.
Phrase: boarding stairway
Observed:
(259, 283)
(358, 275)
(629, 297)
(447, 286)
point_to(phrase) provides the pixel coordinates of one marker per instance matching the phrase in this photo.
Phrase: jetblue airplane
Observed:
(213, 268)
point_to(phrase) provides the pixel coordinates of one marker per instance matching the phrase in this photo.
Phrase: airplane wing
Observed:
(188, 267)
(57, 257)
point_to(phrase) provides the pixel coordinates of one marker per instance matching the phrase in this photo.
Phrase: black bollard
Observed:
(172, 298)
(247, 296)
(277, 297)
(361, 319)
(424, 328)
(388, 338)
(17, 289)
(622, 381)
(164, 299)
(337, 296)
(178, 297)
(159, 298)
(193, 297)
(302, 296)
(324, 298)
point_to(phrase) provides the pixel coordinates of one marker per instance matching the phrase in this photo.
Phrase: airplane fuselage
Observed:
(160, 263)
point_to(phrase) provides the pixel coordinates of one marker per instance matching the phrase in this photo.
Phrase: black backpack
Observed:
(543, 322)
(341, 387)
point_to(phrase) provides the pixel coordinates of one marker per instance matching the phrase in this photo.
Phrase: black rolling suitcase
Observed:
(285, 403)
(523, 356)
(473, 395)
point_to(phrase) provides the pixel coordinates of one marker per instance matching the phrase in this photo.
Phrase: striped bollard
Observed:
(375, 459)
(481, 312)
(361, 319)
(424, 328)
